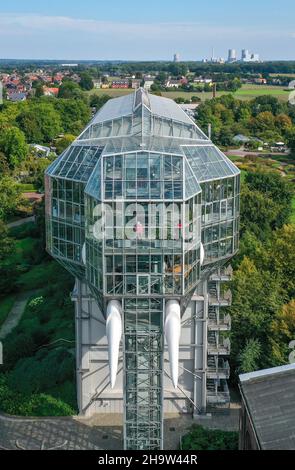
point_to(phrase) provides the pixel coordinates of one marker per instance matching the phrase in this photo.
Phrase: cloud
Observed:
(33, 23)
(35, 35)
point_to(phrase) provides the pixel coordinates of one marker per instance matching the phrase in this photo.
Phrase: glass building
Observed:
(144, 211)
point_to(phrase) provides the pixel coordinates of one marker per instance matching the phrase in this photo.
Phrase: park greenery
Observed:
(200, 438)
(265, 118)
(263, 308)
(38, 374)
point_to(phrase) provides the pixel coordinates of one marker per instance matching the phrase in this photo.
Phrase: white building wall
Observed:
(94, 392)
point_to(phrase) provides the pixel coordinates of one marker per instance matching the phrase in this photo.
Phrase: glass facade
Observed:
(128, 207)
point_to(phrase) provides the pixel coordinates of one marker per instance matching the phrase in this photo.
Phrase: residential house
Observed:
(123, 83)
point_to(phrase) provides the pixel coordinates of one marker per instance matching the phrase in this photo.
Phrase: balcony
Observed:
(217, 368)
(218, 346)
(217, 393)
(217, 321)
(218, 398)
(222, 275)
(220, 300)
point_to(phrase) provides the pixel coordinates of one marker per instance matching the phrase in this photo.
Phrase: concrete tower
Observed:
(143, 210)
(232, 55)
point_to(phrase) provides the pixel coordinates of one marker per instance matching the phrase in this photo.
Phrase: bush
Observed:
(15, 403)
(35, 303)
(40, 373)
(24, 231)
(200, 438)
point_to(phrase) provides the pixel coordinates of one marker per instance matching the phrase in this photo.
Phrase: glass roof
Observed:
(207, 163)
(142, 114)
(141, 122)
(76, 164)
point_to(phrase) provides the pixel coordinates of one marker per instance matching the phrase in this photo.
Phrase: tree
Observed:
(86, 82)
(266, 103)
(283, 332)
(70, 90)
(200, 438)
(97, 101)
(249, 357)
(283, 122)
(291, 141)
(226, 136)
(257, 297)
(4, 168)
(10, 196)
(258, 213)
(282, 257)
(74, 114)
(38, 89)
(64, 142)
(41, 123)
(6, 243)
(13, 145)
(264, 121)
(275, 188)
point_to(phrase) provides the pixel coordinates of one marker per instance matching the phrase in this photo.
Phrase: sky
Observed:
(150, 30)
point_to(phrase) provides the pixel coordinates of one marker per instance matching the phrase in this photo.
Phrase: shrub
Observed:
(200, 438)
(42, 372)
(15, 403)
(35, 303)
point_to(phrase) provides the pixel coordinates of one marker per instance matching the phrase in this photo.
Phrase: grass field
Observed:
(247, 92)
(251, 91)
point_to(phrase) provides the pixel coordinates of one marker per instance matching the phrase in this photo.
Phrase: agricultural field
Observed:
(247, 92)
(252, 91)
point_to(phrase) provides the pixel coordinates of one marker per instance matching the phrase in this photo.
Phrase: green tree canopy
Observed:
(41, 123)
(74, 114)
(97, 101)
(274, 188)
(10, 196)
(13, 145)
(64, 142)
(86, 82)
(70, 90)
(249, 356)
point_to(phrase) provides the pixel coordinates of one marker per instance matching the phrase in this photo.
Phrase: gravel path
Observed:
(20, 222)
(15, 314)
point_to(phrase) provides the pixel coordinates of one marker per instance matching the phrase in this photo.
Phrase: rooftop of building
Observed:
(144, 123)
(156, 105)
(270, 400)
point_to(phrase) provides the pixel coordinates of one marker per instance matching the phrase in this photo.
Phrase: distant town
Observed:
(25, 80)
